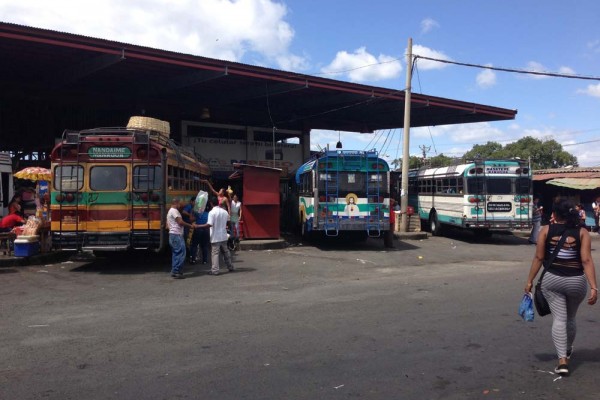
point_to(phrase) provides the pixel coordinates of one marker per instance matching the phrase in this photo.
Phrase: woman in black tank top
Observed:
(565, 282)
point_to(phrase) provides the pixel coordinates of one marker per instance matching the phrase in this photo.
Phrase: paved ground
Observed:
(431, 319)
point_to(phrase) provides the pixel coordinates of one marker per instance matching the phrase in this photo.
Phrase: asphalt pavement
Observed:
(429, 319)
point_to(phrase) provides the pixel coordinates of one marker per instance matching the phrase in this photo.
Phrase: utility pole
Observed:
(405, 150)
(424, 150)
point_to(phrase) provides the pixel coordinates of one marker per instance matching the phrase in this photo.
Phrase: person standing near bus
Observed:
(201, 237)
(582, 216)
(188, 215)
(536, 220)
(217, 222)
(222, 196)
(236, 217)
(596, 209)
(176, 224)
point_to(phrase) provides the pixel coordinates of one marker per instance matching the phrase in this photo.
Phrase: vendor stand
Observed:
(34, 235)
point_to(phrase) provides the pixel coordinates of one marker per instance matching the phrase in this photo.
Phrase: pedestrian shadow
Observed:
(580, 357)
(126, 263)
(495, 238)
(223, 272)
(353, 243)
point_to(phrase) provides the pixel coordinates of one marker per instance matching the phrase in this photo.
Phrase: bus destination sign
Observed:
(497, 170)
(109, 152)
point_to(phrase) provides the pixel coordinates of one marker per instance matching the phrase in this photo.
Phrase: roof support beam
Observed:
(77, 72)
(257, 92)
(183, 81)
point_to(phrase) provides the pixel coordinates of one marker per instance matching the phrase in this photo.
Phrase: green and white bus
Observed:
(483, 196)
(344, 191)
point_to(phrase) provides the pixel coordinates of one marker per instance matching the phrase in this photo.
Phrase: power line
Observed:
(354, 69)
(516, 70)
(428, 109)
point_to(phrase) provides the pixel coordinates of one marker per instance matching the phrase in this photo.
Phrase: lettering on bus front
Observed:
(499, 207)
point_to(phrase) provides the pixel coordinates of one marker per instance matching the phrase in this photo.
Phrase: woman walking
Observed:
(565, 282)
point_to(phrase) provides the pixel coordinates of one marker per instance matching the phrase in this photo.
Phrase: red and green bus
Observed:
(112, 187)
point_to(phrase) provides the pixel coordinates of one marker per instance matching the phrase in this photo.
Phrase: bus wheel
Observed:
(435, 226)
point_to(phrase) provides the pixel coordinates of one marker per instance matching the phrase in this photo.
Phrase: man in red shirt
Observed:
(10, 221)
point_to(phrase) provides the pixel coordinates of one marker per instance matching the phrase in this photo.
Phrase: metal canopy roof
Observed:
(53, 81)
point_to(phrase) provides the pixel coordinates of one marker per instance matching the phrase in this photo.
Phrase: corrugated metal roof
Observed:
(76, 82)
(574, 172)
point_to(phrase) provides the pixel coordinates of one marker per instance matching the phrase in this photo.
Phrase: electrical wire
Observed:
(516, 70)
(272, 123)
(385, 141)
(428, 109)
(356, 68)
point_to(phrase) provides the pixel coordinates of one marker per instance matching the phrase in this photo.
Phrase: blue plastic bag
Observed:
(526, 308)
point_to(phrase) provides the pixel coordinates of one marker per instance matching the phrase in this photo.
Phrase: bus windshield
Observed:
(497, 185)
(355, 182)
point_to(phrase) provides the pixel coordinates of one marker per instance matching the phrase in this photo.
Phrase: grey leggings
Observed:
(564, 294)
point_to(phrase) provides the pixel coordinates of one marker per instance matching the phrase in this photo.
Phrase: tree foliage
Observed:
(543, 154)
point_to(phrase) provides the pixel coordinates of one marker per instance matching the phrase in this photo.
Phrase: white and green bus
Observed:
(344, 191)
(483, 196)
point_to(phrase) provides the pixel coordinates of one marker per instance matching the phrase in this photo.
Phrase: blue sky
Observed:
(370, 37)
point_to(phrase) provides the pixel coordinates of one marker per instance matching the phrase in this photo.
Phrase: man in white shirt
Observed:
(175, 224)
(217, 222)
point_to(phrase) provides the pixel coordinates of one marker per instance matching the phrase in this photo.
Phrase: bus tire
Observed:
(435, 225)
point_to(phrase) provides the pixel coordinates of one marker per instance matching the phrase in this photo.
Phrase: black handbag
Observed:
(541, 304)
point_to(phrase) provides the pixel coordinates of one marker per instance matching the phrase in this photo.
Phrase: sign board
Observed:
(499, 207)
(109, 152)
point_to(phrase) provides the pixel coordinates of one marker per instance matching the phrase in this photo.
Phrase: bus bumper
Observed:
(106, 241)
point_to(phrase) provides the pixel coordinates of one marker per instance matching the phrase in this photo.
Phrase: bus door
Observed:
(108, 198)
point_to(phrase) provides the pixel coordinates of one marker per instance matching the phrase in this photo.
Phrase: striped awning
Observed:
(576, 183)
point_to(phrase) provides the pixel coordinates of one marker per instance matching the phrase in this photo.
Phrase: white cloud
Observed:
(468, 134)
(223, 29)
(535, 66)
(594, 46)
(428, 24)
(566, 70)
(427, 52)
(361, 66)
(486, 78)
(591, 90)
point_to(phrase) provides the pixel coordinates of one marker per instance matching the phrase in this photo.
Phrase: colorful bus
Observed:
(483, 196)
(344, 191)
(112, 187)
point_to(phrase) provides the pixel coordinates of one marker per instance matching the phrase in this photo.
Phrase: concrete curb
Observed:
(410, 235)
